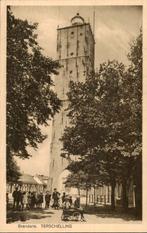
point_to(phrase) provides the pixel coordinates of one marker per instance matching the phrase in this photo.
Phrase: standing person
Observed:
(15, 198)
(56, 198)
(41, 199)
(79, 208)
(25, 200)
(63, 197)
(18, 199)
(47, 199)
(21, 200)
(70, 200)
(38, 200)
(29, 200)
(33, 200)
(66, 203)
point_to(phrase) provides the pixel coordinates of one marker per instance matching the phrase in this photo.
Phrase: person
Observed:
(58, 200)
(67, 203)
(15, 196)
(33, 200)
(47, 199)
(79, 208)
(21, 200)
(56, 197)
(25, 200)
(70, 200)
(41, 199)
(77, 203)
(63, 197)
(29, 200)
(37, 196)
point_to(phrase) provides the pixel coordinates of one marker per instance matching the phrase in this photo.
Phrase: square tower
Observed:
(75, 52)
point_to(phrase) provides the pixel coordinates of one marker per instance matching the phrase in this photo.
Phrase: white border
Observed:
(128, 227)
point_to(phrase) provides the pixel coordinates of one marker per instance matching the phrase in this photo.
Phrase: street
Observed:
(51, 216)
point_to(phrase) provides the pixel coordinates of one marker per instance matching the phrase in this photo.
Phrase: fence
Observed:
(99, 199)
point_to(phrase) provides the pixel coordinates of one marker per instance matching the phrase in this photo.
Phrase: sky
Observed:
(115, 27)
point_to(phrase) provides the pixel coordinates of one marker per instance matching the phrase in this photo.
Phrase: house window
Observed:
(70, 71)
(81, 34)
(72, 33)
(71, 54)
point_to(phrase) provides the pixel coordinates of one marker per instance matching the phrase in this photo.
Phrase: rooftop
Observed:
(29, 179)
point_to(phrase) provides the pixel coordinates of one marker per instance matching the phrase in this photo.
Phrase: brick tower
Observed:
(75, 52)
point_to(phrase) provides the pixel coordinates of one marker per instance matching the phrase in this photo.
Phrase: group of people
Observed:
(68, 204)
(27, 200)
(30, 200)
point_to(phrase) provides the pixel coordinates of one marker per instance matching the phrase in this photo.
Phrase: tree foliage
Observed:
(13, 171)
(31, 101)
(135, 78)
(105, 116)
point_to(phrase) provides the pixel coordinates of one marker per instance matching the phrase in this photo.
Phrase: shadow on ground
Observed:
(99, 212)
(13, 216)
(106, 212)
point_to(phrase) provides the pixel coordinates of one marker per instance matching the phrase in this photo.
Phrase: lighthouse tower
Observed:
(75, 52)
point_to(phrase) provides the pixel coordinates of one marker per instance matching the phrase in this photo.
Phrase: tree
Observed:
(105, 122)
(13, 171)
(31, 101)
(135, 85)
(81, 176)
(95, 122)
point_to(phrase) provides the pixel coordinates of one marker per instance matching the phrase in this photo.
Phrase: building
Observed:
(75, 52)
(26, 182)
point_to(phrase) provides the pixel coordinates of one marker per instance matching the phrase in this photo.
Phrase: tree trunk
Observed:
(79, 191)
(138, 188)
(86, 196)
(124, 195)
(138, 202)
(113, 195)
(94, 195)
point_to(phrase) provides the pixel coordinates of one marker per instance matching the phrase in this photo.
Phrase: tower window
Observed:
(70, 71)
(72, 33)
(71, 54)
(81, 34)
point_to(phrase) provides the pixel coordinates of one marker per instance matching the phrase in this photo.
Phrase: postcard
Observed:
(73, 116)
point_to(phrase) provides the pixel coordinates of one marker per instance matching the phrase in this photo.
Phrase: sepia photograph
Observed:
(74, 92)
